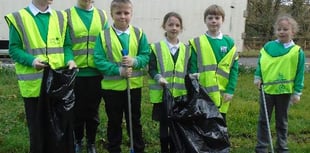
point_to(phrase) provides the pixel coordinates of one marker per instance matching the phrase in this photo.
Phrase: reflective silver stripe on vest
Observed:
(108, 41)
(222, 73)
(199, 60)
(160, 58)
(29, 77)
(134, 74)
(38, 51)
(187, 55)
(83, 52)
(232, 61)
(212, 89)
(161, 63)
(175, 85)
(61, 21)
(208, 67)
(83, 39)
(76, 40)
(202, 68)
(102, 18)
(19, 22)
(42, 51)
(279, 82)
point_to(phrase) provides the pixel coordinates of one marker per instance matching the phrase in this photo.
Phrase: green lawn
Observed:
(241, 119)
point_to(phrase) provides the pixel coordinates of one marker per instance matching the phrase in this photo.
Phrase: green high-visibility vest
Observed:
(174, 73)
(83, 40)
(113, 48)
(278, 73)
(29, 79)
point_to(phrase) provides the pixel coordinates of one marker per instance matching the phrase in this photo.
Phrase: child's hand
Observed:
(195, 75)
(128, 61)
(71, 64)
(258, 83)
(38, 64)
(227, 97)
(125, 71)
(295, 98)
(162, 81)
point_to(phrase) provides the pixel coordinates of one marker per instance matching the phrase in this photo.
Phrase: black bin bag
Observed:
(196, 125)
(55, 115)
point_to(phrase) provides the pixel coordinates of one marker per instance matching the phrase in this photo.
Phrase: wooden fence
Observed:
(256, 43)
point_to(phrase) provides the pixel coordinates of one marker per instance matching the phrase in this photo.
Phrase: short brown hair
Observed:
(214, 10)
(115, 3)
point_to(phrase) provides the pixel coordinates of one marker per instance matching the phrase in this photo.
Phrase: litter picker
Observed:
(125, 53)
(267, 118)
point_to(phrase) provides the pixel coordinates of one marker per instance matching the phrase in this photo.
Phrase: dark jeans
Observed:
(116, 104)
(86, 110)
(281, 105)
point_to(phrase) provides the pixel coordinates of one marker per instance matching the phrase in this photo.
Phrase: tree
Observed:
(262, 15)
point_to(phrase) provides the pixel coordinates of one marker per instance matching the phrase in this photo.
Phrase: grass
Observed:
(241, 119)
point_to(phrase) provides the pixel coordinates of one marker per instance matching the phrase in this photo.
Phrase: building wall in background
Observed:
(148, 14)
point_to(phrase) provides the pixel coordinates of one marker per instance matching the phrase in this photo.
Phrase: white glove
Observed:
(162, 81)
(125, 71)
(227, 97)
(258, 83)
(295, 98)
(195, 75)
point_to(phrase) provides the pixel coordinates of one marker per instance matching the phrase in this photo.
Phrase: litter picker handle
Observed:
(124, 52)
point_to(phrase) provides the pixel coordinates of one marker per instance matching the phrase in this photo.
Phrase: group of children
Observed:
(109, 56)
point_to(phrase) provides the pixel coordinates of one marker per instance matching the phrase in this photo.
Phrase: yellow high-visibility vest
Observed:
(174, 73)
(278, 73)
(113, 49)
(29, 79)
(213, 76)
(83, 40)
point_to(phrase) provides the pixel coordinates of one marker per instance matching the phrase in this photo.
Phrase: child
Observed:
(167, 67)
(85, 23)
(111, 44)
(214, 59)
(38, 36)
(280, 70)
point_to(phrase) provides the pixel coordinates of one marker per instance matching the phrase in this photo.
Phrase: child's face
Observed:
(284, 31)
(85, 4)
(214, 23)
(44, 1)
(121, 15)
(173, 27)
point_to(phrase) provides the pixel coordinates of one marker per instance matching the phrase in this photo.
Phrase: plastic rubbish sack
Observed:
(196, 125)
(55, 114)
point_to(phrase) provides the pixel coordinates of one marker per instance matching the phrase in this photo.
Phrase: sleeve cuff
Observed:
(157, 77)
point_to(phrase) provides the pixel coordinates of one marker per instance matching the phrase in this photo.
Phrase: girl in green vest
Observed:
(85, 23)
(167, 67)
(280, 71)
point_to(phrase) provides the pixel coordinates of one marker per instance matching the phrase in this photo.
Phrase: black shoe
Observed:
(78, 147)
(91, 148)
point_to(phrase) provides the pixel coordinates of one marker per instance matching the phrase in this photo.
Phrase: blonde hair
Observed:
(289, 19)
